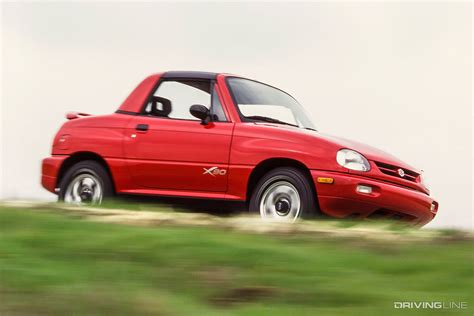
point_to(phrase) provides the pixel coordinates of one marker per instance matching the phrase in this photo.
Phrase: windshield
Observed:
(259, 102)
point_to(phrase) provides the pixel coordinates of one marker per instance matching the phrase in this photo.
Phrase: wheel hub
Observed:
(86, 194)
(282, 206)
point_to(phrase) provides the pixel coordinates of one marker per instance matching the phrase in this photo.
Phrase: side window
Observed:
(217, 111)
(173, 98)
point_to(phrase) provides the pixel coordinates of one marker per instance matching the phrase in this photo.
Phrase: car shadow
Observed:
(186, 205)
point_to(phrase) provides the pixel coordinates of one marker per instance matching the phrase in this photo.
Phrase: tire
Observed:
(284, 194)
(86, 182)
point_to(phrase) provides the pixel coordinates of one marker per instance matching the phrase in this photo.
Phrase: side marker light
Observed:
(325, 180)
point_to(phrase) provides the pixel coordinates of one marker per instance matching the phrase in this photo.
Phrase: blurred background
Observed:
(395, 75)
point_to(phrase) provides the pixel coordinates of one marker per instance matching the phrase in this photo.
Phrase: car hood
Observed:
(369, 152)
(323, 147)
(377, 156)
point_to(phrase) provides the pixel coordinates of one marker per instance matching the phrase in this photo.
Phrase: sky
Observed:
(394, 75)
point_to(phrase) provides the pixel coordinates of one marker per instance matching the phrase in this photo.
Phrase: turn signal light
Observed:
(325, 180)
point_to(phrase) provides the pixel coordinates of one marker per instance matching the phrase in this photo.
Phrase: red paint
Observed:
(136, 99)
(75, 115)
(172, 154)
(171, 158)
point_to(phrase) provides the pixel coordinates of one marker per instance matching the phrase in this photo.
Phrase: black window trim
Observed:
(189, 75)
(214, 87)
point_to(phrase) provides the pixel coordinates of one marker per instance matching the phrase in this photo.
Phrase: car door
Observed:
(168, 148)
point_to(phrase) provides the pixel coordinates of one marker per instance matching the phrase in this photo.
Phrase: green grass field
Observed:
(54, 264)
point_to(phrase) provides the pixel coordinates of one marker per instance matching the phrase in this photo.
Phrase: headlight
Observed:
(351, 159)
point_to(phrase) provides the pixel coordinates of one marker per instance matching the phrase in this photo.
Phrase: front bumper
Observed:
(390, 201)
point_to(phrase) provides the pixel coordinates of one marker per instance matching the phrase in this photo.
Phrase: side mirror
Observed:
(200, 112)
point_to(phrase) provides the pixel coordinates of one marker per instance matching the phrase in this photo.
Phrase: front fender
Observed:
(253, 143)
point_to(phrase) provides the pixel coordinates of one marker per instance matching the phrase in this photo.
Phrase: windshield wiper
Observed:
(269, 120)
(311, 129)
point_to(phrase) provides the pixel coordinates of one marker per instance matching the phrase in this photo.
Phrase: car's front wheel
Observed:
(85, 183)
(283, 194)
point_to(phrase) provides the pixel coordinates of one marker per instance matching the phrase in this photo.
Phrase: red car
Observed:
(219, 136)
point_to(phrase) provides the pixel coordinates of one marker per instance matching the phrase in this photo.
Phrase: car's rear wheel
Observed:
(283, 194)
(85, 183)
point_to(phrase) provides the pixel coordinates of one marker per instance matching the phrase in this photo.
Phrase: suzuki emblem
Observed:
(401, 173)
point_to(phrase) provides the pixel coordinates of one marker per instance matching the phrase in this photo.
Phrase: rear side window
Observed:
(173, 98)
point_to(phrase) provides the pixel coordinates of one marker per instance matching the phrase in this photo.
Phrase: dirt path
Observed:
(387, 231)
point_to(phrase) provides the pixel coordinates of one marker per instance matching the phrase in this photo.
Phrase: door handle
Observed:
(141, 127)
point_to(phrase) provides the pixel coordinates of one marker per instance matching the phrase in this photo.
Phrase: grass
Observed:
(60, 265)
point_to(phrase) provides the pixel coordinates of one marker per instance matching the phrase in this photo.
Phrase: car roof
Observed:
(190, 74)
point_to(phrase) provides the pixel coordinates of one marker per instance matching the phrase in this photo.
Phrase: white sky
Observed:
(394, 75)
